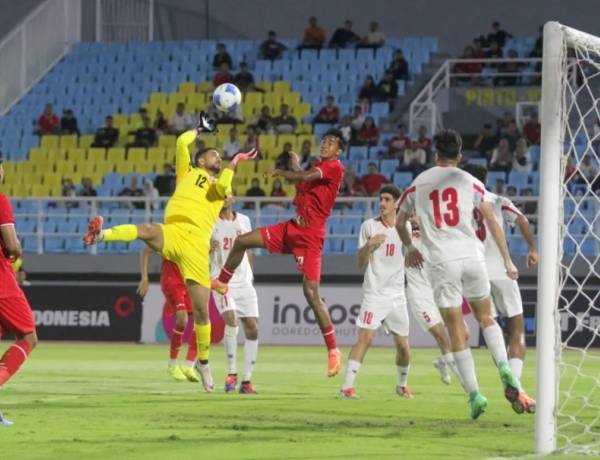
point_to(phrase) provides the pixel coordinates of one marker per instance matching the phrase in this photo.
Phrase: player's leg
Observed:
(516, 344)
(151, 234)
(192, 352)
(402, 365)
(175, 343)
(230, 345)
(250, 240)
(250, 324)
(200, 295)
(355, 359)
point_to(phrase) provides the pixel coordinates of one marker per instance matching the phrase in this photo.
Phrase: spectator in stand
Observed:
(387, 89)
(305, 154)
(232, 117)
(151, 194)
(423, 141)
(48, 122)
(502, 157)
(68, 190)
(232, 146)
(510, 68)
(139, 123)
(493, 52)
(373, 180)
(165, 182)
(181, 121)
(133, 191)
(329, 113)
(283, 160)
(347, 130)
(502, 123)
(500, 187)
(538, 45)
(398, 144)
(368, 134)
(285, 123)
(272, 49)
(223, 75)
(344, 36)
(358, 119)
(68, 123)
(414, 158)
(244, 80)
(252, 140)
(588, 169)
(498, 35)
(264, 121)
(352, 186)
(314, 35)
(87, 188)
(511, 191)
(478, 52)
(278, 191)
(486, 142)
(533, 130)
(221, 57)
(473, 68)
(529, 208)
(145, 136)
(399, 66)
(512, 134)
(570, 171)
(374, 39)
(368, 90)
(254, 191)
(522, 161)
(106, 136)
(161, 124)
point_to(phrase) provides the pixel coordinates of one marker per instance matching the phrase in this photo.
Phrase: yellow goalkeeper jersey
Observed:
(198, 196)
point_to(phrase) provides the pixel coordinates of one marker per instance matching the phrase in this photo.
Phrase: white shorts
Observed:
(243, 300)
(425, 311)
(390, 312)
(453, 280)
(507, 297)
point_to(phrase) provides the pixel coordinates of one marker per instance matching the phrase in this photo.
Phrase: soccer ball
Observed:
(227, 97)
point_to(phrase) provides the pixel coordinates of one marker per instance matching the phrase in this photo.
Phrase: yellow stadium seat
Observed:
(303, 129)
(239, 181)
(282, 139)
(36, 154)
(205, 87)
(120, 119)
(96, 154)
(292, 99)
(253, 98)
(267, 143)
(265, 165)
(135, 120)
(56, 154)
(281, 87)
(290, 189)
(51, 179)
(167, 140)
(301, 110)
(157, 154)
(76, 155)
(68, 141)
(246, 168)
(76, 177)
(136, 154)
(158, 99)
(64, 168)
(86, 168)
(143, 167)
(187, 87)
(175, 98)
(124, 167)
(273, 100)
(196, 102)
(266, 86)
(115, 155)
(86, 140)
(49, 141)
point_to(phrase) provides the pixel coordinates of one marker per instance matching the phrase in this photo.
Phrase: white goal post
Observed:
(568, 364)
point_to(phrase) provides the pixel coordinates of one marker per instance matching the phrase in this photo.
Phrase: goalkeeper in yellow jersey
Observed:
(184, 238)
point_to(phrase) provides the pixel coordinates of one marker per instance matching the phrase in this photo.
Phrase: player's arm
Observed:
(499, 238)
(142, 289)
(295, 162)
(297, 176)
(12, 246)
(527, 234)
(225, 180)
(182, 152)
(414, 258)
(250, 259)
(365, 251)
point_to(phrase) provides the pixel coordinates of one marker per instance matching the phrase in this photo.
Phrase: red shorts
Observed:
(176, 296)
(16, 316)
(290, 238)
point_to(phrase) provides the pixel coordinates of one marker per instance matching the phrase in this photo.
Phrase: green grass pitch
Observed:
(115, 401)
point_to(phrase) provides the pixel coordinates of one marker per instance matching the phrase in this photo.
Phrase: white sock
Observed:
(172, 362)
(516, 366)
(448, 359)
(495, 343)
(250, 353)
(190, 363)
(352, 369)
(466, 366)
(230, 343)
(402, 375)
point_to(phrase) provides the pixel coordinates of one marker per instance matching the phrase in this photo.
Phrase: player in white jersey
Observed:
(384, 302)
(241, 300)
(443, 198)
(505, 291)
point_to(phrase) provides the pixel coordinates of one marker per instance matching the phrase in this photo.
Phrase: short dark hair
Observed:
(201, 152)
(392, 190)
(448, 144)
(339, 137)
(477, 171)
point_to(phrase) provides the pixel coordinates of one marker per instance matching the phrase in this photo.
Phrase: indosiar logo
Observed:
(294, 314)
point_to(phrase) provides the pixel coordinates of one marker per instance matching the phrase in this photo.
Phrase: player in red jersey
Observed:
(302, 236)
(179, 305)
(15, 313)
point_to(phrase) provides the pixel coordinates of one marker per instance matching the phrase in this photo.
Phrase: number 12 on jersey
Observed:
(449, 197)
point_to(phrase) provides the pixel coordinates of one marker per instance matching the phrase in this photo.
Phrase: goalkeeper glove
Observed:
(206, 124)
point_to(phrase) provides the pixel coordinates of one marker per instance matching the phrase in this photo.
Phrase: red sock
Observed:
(176, 341)
(329, 336)
(225, 275)
(12, 359)
(192, 347)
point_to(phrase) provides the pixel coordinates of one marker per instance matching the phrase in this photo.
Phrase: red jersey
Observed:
(373, 182)
(314, 200)
(8, 281)
(48, 122)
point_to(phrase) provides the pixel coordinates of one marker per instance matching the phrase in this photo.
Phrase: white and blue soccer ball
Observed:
(227, 97)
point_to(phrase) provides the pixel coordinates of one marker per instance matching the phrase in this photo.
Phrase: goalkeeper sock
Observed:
(124, 233)
(516, 366)
(351, 372)
(495, 343)
(203, 341)
(250, 353)
(466, 366)
(230, 344)
(402, 375)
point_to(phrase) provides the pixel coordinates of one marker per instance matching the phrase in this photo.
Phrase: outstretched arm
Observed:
(182, 152)
(226, 178)
(297, 176)
(527, 234)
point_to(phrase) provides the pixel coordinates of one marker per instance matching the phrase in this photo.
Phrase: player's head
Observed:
(477, 171)
(209, 159)
(448, 146)
(332, 144)
(388, 197)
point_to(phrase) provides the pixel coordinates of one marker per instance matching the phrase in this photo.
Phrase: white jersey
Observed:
(444, 199)
(505, 212)
(384, 275)
(225, 233)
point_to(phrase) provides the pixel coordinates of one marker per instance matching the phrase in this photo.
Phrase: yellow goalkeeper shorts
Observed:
(189, 247)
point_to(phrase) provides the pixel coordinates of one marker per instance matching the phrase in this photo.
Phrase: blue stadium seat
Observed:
(358, 153)
(402, 179)
(54, 244)
(388, 167)
(493, 176)
(478, 161)
(350, 246)
(519, 179)
(74, 245)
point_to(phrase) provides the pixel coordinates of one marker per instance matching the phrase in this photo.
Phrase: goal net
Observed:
(568, 315)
